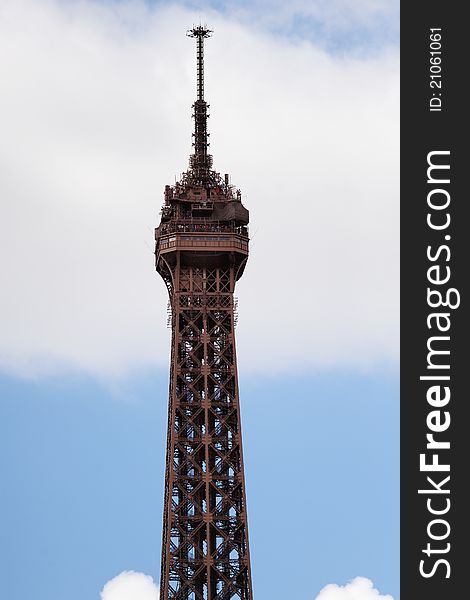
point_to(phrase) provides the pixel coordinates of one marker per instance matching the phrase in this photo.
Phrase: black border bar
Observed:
(435, 253)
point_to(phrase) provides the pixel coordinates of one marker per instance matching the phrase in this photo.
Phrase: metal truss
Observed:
(205, 541)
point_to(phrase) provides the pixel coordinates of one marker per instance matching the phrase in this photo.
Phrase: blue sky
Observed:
(96, 110)
(83, 485)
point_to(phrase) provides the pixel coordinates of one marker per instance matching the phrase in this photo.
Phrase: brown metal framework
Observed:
(201, 251)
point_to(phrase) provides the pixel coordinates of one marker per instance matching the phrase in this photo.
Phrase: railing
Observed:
(203, 241)
(201, 226)
(202, 205)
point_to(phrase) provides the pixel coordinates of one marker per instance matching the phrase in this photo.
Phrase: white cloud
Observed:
(95, 120)
(130, 585)
(360, 588)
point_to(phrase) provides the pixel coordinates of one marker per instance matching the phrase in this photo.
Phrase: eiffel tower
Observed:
(201, 252)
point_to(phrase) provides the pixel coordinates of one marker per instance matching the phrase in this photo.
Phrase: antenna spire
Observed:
(200, 32)
(201, 160)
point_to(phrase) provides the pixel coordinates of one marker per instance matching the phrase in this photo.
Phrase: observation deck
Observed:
(203, 223)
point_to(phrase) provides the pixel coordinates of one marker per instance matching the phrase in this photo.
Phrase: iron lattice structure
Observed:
(201, 251)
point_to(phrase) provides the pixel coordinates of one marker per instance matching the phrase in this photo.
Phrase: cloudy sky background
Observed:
(95, 120)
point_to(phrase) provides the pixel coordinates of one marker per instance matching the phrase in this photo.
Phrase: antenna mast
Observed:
(201, 161)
